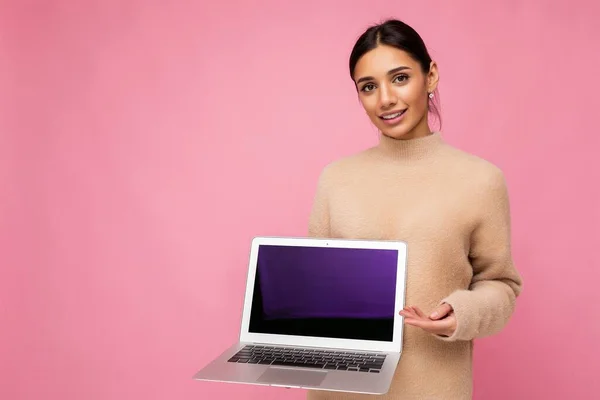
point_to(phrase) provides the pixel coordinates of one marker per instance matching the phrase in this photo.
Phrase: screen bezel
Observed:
(311, 341)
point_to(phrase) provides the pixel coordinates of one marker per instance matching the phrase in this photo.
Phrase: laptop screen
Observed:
(345, 293)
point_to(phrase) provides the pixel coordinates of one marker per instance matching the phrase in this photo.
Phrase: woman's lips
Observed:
(392, 118)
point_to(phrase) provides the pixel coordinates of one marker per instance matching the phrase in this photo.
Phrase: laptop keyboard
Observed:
(308, 358)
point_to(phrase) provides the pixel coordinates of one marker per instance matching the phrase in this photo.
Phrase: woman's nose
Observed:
(387, 97)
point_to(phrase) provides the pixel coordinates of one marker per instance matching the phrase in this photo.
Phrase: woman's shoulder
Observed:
(475, 168)
(346, 164)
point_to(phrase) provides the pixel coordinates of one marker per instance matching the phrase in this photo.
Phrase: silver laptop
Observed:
(318, 314)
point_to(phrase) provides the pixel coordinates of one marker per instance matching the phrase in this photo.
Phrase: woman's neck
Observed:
(409, 149)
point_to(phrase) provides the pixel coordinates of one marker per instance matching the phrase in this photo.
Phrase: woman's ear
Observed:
(432, 77)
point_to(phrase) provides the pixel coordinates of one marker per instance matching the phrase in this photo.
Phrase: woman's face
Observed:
(394, 91)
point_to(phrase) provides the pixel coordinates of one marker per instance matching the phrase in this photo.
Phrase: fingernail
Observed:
(434, 315)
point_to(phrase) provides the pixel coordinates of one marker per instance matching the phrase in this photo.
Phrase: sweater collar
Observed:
(409, 149)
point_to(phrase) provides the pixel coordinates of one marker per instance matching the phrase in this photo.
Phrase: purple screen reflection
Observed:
(325, 282)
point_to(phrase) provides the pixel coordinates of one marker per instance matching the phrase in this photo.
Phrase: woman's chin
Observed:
(404, 131)
(397, 133)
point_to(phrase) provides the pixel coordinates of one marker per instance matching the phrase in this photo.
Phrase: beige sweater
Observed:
(452, 209)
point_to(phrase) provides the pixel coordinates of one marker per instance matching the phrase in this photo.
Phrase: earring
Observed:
(431, 95)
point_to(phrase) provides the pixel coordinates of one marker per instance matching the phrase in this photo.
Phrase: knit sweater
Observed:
(452, 209)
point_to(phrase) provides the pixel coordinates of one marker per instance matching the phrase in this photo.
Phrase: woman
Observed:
(449, 206)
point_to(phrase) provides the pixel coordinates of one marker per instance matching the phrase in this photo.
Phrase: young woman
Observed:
(451, 208)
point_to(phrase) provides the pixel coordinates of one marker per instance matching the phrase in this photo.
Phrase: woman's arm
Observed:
(485, 308)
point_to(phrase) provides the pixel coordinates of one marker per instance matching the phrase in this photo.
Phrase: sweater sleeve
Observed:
(318, 225)
(485, 308)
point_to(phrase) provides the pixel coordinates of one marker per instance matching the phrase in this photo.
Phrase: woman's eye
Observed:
(400, 78)
(368, 87)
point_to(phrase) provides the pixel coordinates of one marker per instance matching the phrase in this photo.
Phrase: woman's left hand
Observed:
(441, 322)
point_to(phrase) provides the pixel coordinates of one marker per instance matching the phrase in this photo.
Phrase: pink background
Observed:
(143, 144)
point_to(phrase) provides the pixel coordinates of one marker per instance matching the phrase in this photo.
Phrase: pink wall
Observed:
(144, 143)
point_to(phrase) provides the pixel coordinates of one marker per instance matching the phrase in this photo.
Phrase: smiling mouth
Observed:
(392, 116)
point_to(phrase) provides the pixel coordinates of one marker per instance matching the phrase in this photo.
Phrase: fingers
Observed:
(440, 312)
(443, 327)
(444, 322)
(407, 312)
(418, 311)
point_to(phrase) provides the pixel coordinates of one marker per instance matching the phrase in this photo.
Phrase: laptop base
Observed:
(353, 381)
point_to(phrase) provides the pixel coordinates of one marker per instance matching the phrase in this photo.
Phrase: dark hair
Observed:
(397, 34)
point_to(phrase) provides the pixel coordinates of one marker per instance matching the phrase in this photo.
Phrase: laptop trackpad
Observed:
(295, 377)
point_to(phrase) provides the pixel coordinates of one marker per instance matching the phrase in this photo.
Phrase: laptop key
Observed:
(289, 364)
(316, 365)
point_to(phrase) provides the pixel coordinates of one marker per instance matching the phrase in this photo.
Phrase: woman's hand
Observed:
(441, 322)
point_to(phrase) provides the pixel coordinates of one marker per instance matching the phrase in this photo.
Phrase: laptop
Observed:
(318, 314)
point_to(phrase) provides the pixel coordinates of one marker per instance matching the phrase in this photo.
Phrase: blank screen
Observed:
(325, 292)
